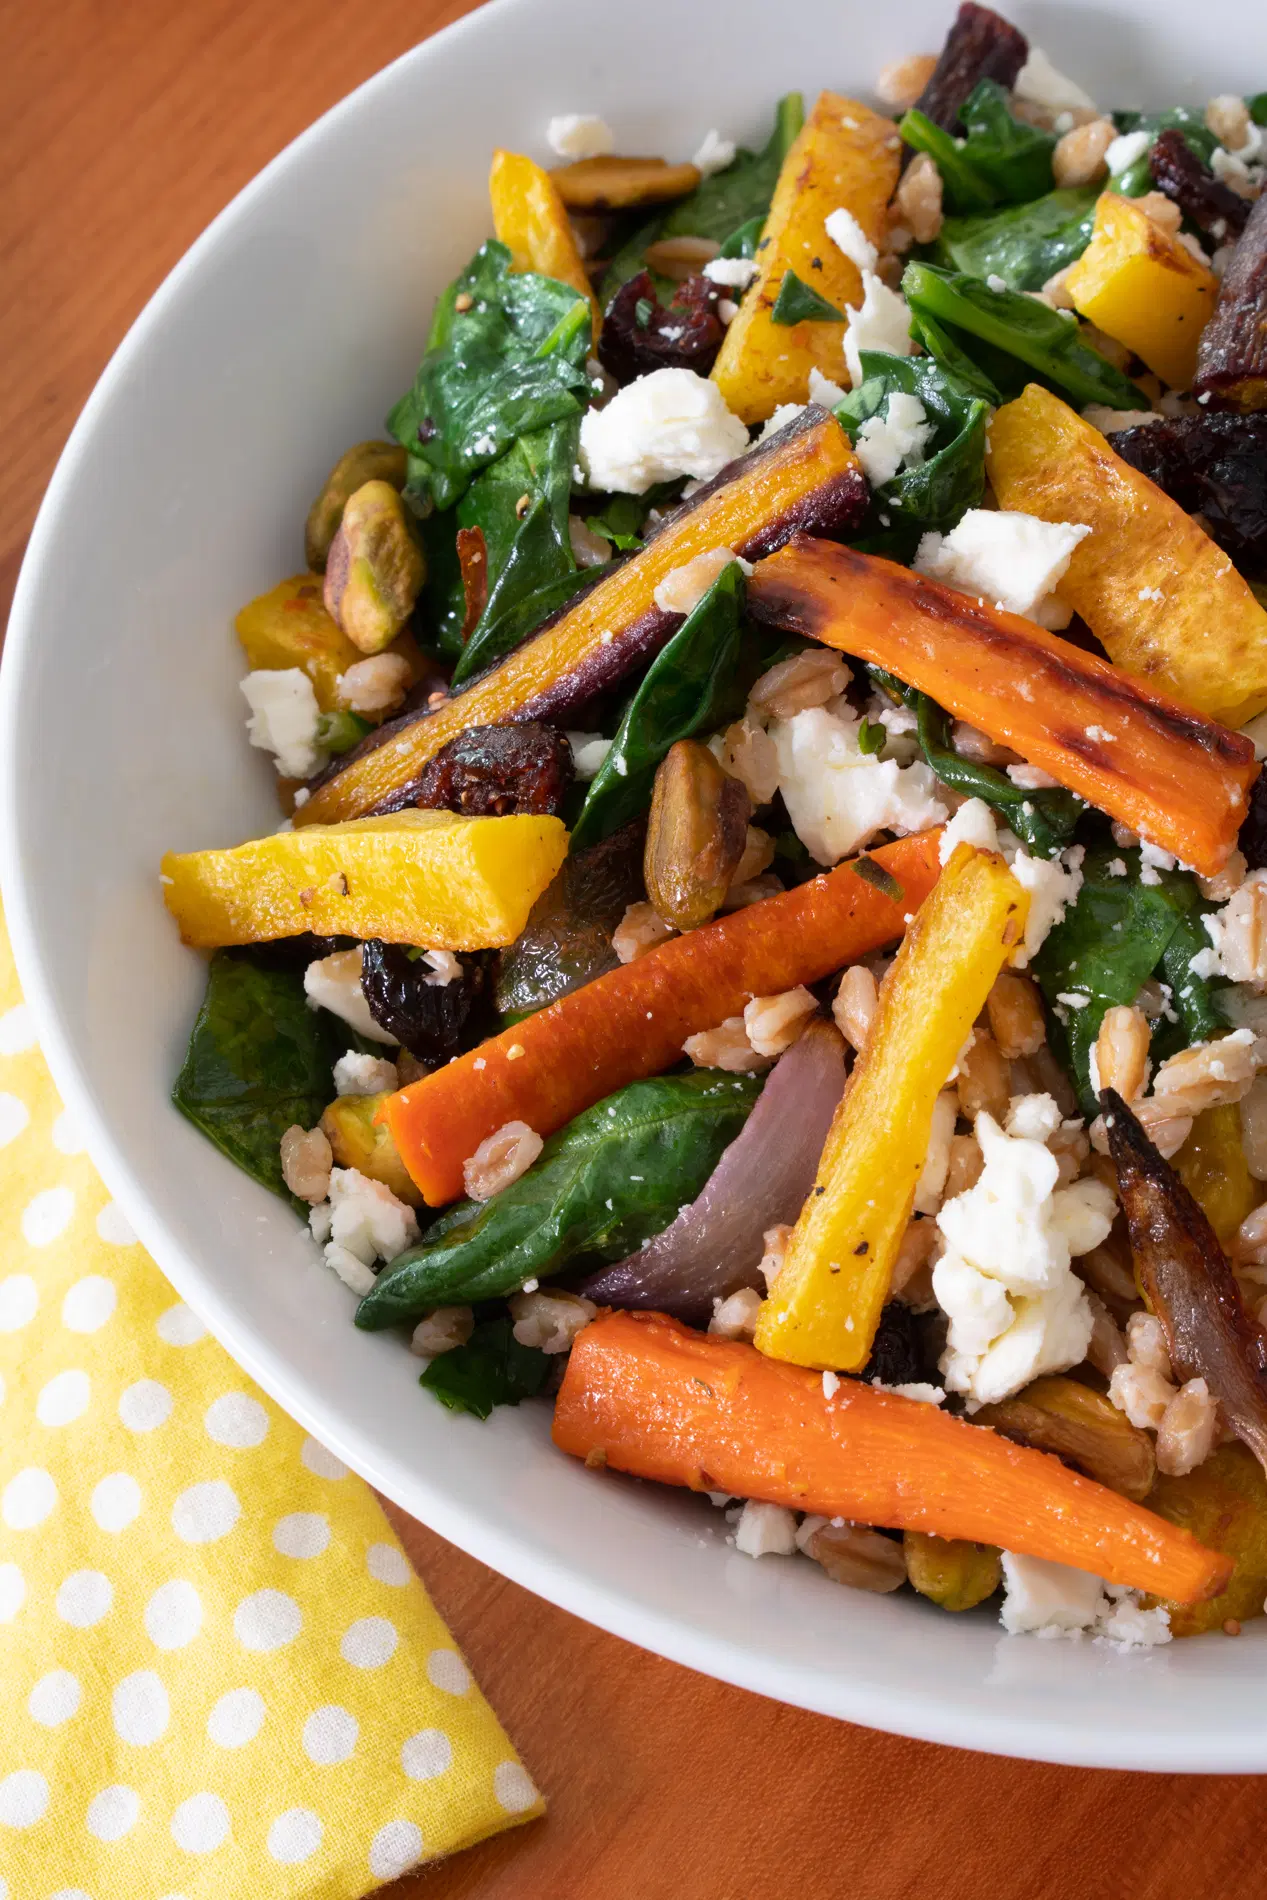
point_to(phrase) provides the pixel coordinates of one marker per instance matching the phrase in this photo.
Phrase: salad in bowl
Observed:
(766, 946)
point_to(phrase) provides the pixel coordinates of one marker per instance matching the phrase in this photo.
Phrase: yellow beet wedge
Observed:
(289, 626)
(844, 157)
(531, 220)
(1164, 600)
(1141, 286)
(422, 877)
(825, 1304)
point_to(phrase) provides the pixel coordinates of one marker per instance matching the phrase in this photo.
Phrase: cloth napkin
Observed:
(219, 1674)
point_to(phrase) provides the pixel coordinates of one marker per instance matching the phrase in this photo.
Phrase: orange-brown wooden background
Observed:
(124, 126)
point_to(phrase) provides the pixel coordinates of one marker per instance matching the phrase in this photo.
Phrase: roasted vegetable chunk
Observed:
(358, 1141)
(1223, 1503)
(1214, 464)
(1139, 284)
(289, 626)
(980, 45)
(640, 334)
(424, 1008)
(529, 217)
(488, 771)
(1081, 1426)
(567, 940)
(1232, 356)
(621, 184)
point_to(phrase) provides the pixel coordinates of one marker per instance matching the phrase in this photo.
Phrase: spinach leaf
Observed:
(511, 360)
(604, 1184)
(258, 1061)
(524, 552)
(491, 1369)
(965, 188)
(1257, 106)
(1137, 177)
(1023, 244)
(340, 730)
(1014, 158)
(947, 354)
(1117, 935)
(744, 241)
(679, 695)
(798, 302)
(622, 518)
(1023, 329)
(951, 478)
(721, 204)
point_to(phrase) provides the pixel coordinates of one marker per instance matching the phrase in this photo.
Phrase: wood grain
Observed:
(124, 126)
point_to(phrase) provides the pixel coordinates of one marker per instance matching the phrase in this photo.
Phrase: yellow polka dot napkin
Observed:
(219, 1674)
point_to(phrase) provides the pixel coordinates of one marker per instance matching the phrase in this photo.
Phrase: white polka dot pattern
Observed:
(220, 1673)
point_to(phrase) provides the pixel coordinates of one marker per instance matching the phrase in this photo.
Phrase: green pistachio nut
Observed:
(375, 569)
(365, 462)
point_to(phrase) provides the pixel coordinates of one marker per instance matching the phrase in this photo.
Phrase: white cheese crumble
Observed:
(580, 135)
(1054, 1600)
(357, 1074)
(658, 427)
(917, 1389)
(1012, 559)
(1039, 83)
(334, 983)
(785, 413)
(1125, 149)
(714, 154)
(589, 749)
(765, 1530)
(735, 272)
(883, 322)
(1031, 778)
(837, 796)
(1016, 1308)
(1052, 883)
(848, 236)
(1233, 933)
(366, 1219)
(1153, 860)
(284, 719)
(823, 390)
(898, 437)
(972, 824)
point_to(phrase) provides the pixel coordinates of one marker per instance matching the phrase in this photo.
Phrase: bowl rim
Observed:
(923, 1714)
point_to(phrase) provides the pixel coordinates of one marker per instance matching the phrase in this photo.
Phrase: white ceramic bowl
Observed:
(283, 336)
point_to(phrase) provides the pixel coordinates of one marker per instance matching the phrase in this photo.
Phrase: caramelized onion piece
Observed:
(1186, 1278)
(714, 1246)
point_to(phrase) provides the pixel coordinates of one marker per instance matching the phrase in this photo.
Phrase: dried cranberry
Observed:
(1253, 838)
(1213, 206)
(897, 1352)
(978, 46)
(492, 771)
(1215, 464)
(640, 334)
(407, 999)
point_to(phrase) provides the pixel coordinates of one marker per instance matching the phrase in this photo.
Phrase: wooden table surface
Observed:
(125, 125)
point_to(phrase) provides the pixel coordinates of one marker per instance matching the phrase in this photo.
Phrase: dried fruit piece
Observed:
(1082, 1427)
(489, 771)
(365, 462)
(621, 184)
(1232, 354)
(640, 334)
(413, 1002)
(949, 1571)
(980, 45)
(1213, 464)
(375, 569)
(1186, 179)
(567, 940)
(695, 835)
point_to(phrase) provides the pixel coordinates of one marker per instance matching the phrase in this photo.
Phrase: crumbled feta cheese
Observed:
(319, 1218)
(735, 272)
(1052, 883)
(355, 1275)
(973, 824)
(1039, 83)
(658, 427)
(765, 1530)
(334, 983)
(580, 135)
(589, 749)
(836, 795)
(284, 719)
(1047, 1599)
(917, 1389)
(714, 154)
(823, 390)
(1153, 860)
(1125, 149)
(1031, 778)
(1073, 999)
(367, 1219)
(1116, 867)
(357, 1074)
(445, 968)
(898, 437)
(1012, 559)
(831, 1385)
(996, 283)
(1123, 1621)
(883, 322)
(1032, 1118)
(848, 236)
(1015, 1307)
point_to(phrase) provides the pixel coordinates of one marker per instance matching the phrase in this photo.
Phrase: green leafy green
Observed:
(964, 187)
(509, 362)
(1109, 943)
(1023, 329)
(679, 695)
(744, 241)
(491, 1369)
(798, 302)
(259, 1060)
(1012, 157)
(1137, 178)
(951, 478)
(340, 730)
(1257, 106)
(721, 204)
(622, 518)
(1023, 244)
(957, 364)
(604, 1184)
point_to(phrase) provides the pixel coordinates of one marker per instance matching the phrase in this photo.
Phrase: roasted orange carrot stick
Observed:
(634, 1021)
(1169, 773)
(644, 1394)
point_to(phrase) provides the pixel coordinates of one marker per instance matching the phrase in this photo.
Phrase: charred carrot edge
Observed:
(633, 1021)
(1177, 778)
(646, 1395)
(807, 476)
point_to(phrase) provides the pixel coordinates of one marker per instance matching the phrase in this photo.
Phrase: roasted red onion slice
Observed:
(1187, 1279)
(714, 1246)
